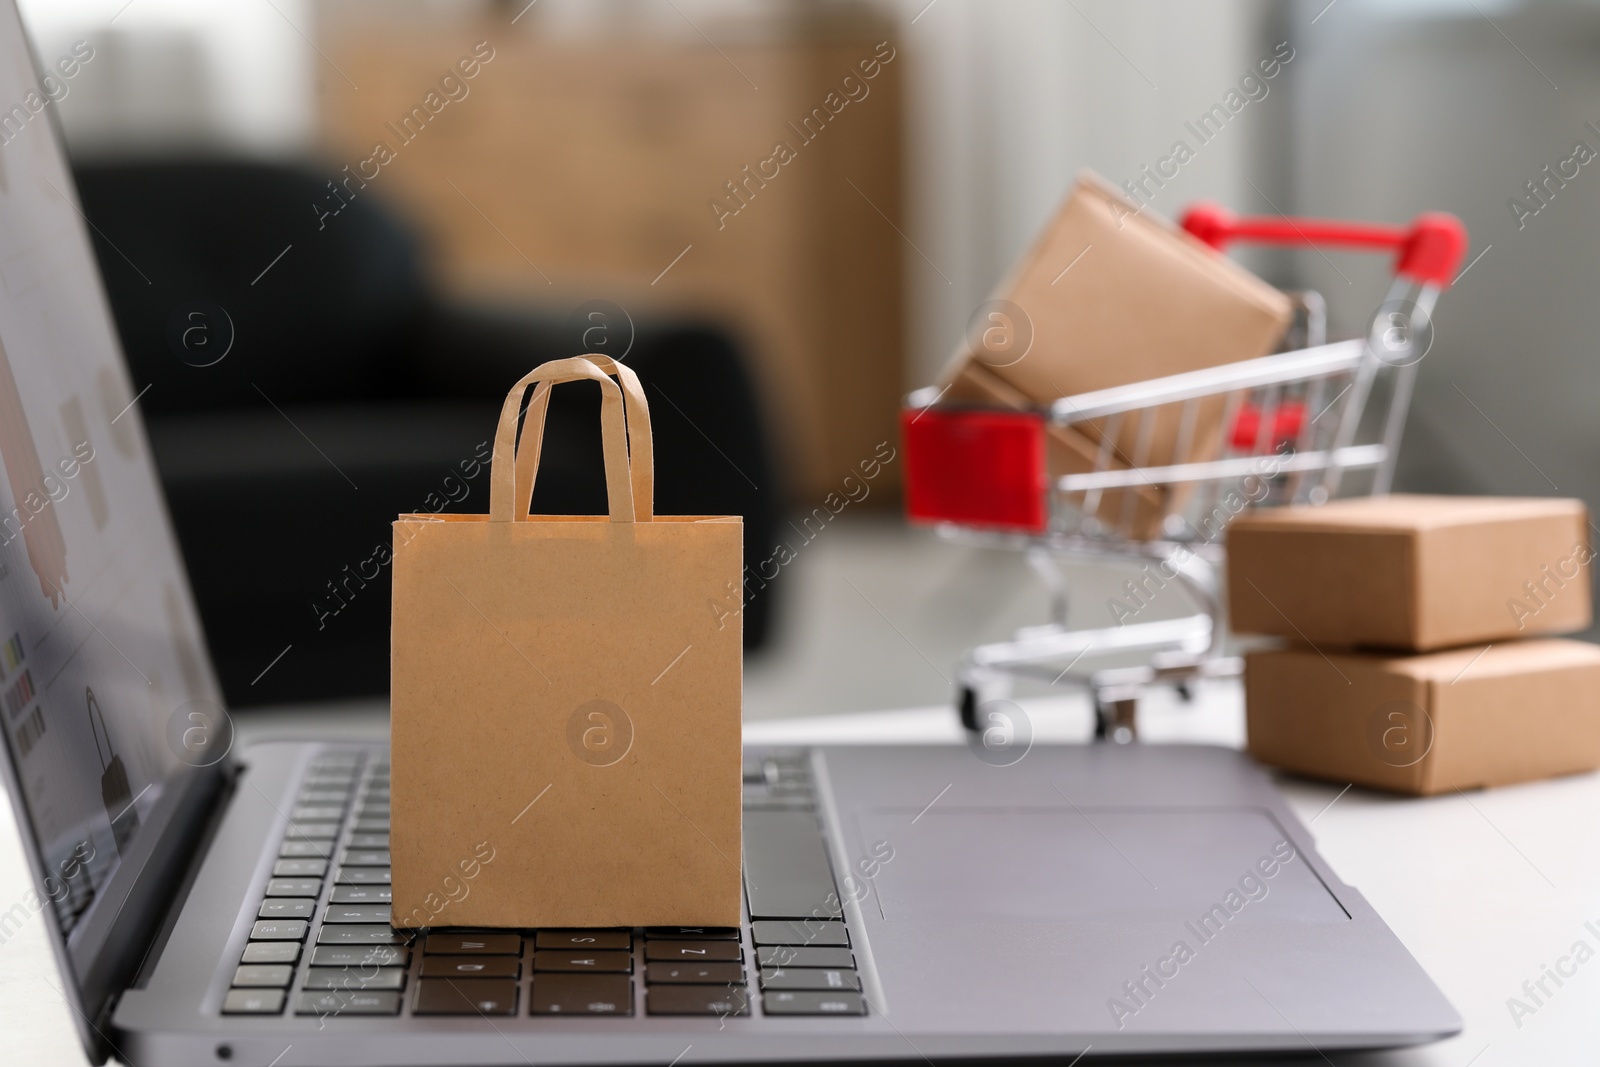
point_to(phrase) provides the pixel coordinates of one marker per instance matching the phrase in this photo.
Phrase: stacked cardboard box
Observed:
(1419, 661)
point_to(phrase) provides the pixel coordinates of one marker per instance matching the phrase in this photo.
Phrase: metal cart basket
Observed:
(1301, 426)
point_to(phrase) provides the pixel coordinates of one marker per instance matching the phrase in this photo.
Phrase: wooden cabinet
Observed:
(577, 167)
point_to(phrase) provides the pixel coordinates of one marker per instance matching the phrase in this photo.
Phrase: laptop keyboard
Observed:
(321, 943)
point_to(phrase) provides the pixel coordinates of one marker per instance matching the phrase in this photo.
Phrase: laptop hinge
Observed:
(185, 880)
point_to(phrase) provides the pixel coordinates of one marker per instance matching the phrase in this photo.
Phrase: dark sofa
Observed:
(306, 385)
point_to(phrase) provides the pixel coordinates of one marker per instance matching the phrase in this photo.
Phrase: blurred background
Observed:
(334, 231)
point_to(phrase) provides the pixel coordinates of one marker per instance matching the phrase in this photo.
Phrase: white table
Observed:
(1485, 889)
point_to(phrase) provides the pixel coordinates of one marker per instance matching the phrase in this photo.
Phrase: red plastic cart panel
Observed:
(977, 468)
(1286, 423)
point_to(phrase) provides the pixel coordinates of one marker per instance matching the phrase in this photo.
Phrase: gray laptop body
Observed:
(1033, 910)
(209, 906)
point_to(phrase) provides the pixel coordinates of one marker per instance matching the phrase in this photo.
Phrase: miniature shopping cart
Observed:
(1302, 426)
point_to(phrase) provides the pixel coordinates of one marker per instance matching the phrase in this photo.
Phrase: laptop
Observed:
(214, 906)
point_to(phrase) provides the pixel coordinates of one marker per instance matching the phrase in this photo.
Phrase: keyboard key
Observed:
(271, 952)
(360, 956)
(362, 894)
(471, 967)
(466, 996)
(341, 785)
(303, 850)
(286, 908)
(294, 887)
(671, 951)
(327, 779)
(786, 869)
(788, 1003)
(694, 973)
(317, 813)
(268, 975)
(695, 1000)
(443, 944)
(369, 840)
(365, 857)
(338, 782)
(694, 933)
(817, 978)
(356, 978)
(767, 802)
(582, 994)
(313, 831)
(362, 876)
(356, 913)
(361, 935)
(278, 930)
(253, 1002)
(299, 868)
(584, 940)
(785, 932)
(337, 1002)
(776, 956)
(613, 962)
(314, 797)
(372, 826)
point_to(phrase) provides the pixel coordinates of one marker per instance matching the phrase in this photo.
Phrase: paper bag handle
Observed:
(512, 469)
(641, 448)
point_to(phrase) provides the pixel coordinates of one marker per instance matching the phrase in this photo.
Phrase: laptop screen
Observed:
(106, 693)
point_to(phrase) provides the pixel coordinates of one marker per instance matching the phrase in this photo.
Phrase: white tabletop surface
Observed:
(1485, 889)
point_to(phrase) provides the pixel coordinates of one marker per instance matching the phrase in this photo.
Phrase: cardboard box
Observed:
(1462, 719)
(1110, 295)
(1412, 573)
(1144, 300)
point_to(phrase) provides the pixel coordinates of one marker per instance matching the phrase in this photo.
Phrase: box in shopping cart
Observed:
(1110, 295)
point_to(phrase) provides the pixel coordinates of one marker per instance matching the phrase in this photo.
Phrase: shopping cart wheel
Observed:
(967, 705)
(1115, 720)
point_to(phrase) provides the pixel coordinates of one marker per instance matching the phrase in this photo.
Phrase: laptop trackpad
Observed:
(1077, 865)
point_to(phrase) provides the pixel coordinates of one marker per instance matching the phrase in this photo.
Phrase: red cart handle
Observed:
(1429, 251)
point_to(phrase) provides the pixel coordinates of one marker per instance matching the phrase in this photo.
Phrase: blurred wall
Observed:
(1407, 107)
(231, 74)
(1007, 99)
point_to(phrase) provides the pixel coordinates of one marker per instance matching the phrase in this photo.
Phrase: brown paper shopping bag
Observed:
(566, 696)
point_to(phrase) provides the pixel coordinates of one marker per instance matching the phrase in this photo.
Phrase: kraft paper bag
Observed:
(566, 695)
